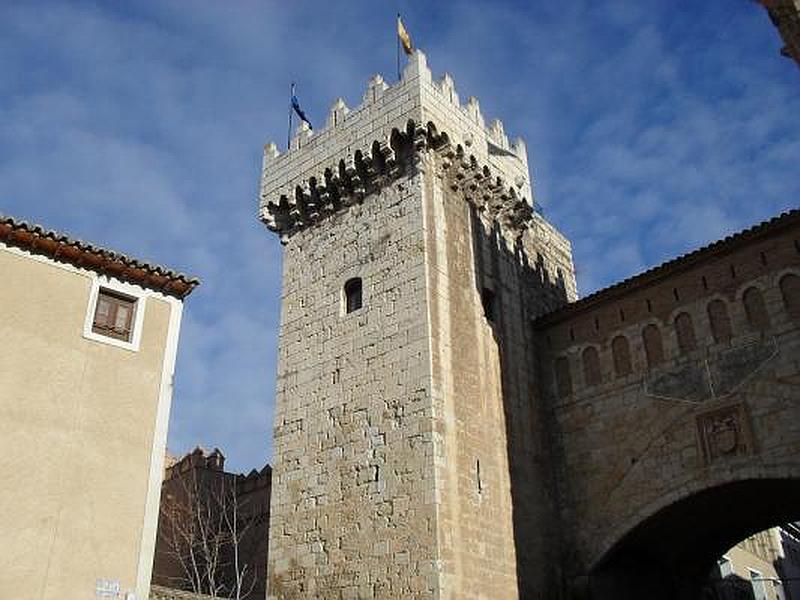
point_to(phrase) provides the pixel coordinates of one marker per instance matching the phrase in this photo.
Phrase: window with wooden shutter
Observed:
(113, 315)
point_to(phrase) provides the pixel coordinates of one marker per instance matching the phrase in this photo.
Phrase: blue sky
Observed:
(652, 128)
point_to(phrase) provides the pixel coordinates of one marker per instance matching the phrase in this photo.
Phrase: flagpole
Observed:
(399, 77)
(289, 134)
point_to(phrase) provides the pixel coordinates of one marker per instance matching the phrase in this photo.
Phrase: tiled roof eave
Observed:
(667, 269)
(63, 248)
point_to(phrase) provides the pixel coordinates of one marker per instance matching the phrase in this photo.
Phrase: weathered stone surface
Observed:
(422, 449)
(158, 592)
(640, 453)
(402, 430)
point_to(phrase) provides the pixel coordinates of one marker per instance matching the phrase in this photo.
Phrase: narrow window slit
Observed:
(353, 295)
(487, 299)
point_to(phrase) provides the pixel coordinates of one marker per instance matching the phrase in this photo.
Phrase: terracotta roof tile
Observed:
(682, 262)
(62, 247)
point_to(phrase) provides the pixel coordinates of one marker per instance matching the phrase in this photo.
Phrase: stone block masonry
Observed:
(404, 429)
(354, 492)
(674, 383)
(385, 109)
(452, 423)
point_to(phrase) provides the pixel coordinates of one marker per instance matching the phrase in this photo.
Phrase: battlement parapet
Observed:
(360, 175)
(321, 171)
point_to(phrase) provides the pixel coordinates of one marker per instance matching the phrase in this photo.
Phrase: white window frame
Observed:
(756, 577)
(112, 285)
(725, 566)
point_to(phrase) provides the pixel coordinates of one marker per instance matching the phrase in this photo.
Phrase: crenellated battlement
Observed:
(359, 148)
(413, 265)
(358, 175)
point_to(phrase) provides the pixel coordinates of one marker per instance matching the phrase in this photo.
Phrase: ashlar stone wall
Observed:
(411, 450)
(497, 515)
(354, 495)
(679, 381)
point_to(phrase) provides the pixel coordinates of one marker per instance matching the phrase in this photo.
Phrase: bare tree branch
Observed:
(204, 530)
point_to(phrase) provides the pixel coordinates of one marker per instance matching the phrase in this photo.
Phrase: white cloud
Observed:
(140, 126)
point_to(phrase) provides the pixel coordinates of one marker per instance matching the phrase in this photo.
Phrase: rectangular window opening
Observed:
(725, 567)
(759, 585)
(113, 315)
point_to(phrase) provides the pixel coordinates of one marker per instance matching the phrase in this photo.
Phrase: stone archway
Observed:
(669, 554)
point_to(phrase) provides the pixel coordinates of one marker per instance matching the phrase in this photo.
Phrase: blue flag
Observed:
(298, 110)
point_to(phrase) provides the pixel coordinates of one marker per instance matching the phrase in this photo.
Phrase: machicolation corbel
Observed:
(363, 173)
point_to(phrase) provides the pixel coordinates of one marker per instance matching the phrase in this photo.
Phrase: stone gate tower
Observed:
(411, 453)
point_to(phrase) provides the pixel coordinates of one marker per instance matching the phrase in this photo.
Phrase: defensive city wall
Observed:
(675, 382)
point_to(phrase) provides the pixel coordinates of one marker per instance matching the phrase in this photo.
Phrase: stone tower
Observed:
(411, 452)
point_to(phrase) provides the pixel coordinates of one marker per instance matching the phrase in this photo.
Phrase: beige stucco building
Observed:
(89, 339)
(750, 567)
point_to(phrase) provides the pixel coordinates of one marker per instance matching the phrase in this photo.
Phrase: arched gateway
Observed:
(663, 469)
(451, 423)
(670, 553)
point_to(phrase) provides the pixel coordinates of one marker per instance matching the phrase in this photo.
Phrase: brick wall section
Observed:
(638, 442)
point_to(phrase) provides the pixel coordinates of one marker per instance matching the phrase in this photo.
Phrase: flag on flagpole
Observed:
(298, 110)
(405, 39)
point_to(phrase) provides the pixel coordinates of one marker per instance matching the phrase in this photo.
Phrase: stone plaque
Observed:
(725, 432)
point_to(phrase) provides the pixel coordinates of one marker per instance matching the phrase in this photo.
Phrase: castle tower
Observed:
(410, 450)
